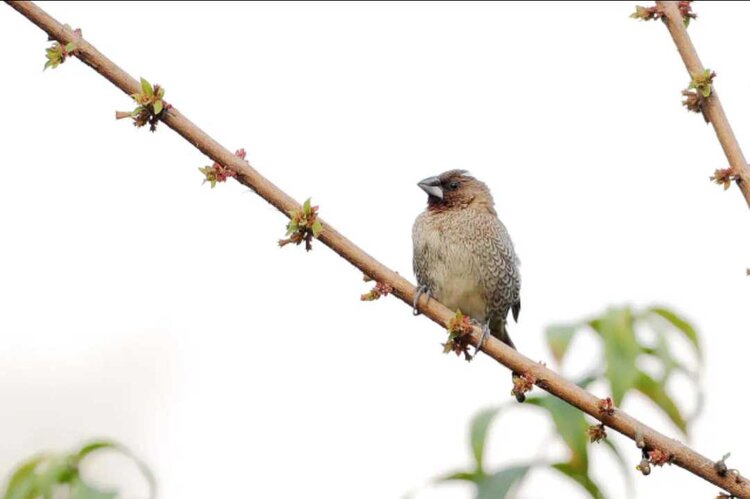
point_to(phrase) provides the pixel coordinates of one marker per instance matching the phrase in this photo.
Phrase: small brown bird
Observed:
(463, 255)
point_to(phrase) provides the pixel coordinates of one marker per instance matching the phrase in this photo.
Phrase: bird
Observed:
(463, 254)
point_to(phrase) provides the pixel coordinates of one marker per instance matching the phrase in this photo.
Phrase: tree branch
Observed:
(548, 380)
(712, 108)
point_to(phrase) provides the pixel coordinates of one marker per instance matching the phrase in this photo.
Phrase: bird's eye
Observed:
(454, 185)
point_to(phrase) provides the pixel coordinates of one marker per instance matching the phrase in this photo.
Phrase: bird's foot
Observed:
(483, 338)
(420, 290)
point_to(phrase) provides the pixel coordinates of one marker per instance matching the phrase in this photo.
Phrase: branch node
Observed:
(218, 172)
(522, 384)
(606, 407)
(725, 177)
(151, 106)
(596, 432)
(721, 466)
(644, 467)
(459, 329)
(57, 53)
(380, 289)
(303, 226)
(639, 440)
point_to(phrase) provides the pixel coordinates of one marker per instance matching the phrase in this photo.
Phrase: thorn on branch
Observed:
(606, 407)
(721, 466)
(151, 106)
(596, 432)
(522, 384)
(218, 172)
(303, 226)
(380, 289)
(725, 177)
(57, 53)
(723, 495)
(459, 328)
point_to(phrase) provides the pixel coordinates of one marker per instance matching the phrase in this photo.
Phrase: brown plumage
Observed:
(463, 255)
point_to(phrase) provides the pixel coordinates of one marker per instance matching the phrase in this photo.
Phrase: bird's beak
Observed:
(432, 187)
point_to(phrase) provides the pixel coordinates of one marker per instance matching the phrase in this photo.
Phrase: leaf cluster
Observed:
(619, 368)
(47, 476)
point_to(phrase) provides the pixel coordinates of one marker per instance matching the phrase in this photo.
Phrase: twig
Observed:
(712, 108)
(550, 381)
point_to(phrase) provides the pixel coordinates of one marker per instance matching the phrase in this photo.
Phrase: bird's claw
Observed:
(420, 290)
(485, 334)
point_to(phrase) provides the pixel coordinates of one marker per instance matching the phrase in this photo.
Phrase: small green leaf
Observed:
(681, 325)
(581, 477)
(558, 340)
(706, 90)
(478, 427)
(158, 106)
(655, 391)
(70, 47)
(317, 228)
(497, 485)
(160, 93)
(147, 88)
(47, 64)
(570, 424)
(306, 206)
(620, 350)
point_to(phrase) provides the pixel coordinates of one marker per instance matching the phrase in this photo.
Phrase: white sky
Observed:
(138, 304)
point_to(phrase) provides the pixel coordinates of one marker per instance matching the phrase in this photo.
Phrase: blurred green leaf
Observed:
(80, 490)
(464, 476)
(497, 485)
(158, 106)
(306, 206)
(681, 325)
(570, 424)
(655, 391)
(57, 470)
(95, 446)
(581, 477)
(478, 430)
(558, 340)
(620, 350)
(22, 484)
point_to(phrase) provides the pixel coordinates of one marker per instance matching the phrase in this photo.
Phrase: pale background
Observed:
(138, 304)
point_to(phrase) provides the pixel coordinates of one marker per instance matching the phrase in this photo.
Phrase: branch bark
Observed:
(547, 379)
(712, 106)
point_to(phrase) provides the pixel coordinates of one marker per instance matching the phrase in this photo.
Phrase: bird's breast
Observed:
(451, 268)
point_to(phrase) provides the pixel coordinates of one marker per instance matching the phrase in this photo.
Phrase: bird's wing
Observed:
(506, 292)
(420, 257)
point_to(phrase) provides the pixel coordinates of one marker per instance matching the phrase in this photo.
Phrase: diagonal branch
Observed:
(712, 108)
(548, 380)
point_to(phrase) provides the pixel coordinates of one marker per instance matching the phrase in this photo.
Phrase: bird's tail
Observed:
(500, 331)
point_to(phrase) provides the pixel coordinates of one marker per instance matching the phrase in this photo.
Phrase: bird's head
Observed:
(456, 189)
